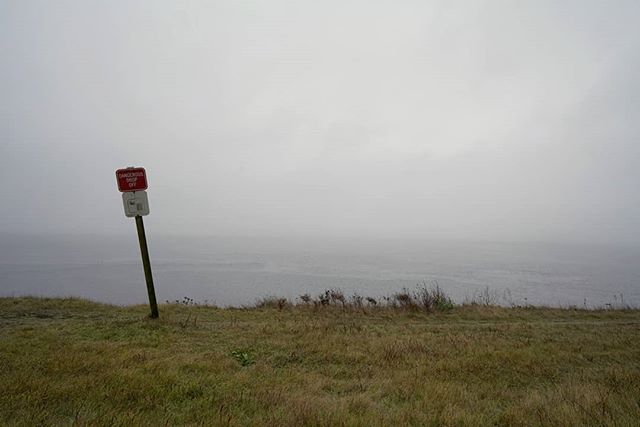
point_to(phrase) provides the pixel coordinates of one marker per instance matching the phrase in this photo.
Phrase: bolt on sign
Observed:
(131, 179)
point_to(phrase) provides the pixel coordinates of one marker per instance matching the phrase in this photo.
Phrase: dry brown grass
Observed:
(67, 361)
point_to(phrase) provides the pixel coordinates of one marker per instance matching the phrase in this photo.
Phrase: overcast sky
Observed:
(496, 120)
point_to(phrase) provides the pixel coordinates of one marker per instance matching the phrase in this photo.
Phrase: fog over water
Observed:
(333, 128)
(237, 271)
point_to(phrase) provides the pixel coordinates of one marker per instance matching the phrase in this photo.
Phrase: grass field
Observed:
(69, 361)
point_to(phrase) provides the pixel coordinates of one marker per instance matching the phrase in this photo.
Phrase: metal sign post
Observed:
(132, 182)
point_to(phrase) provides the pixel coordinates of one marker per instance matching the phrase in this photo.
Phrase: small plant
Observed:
(243, 356)
(272, 302)
(331, 297)
(337, 296)
(324, 298)
(356, 300)
(305, 298)
(404, 300)
(190, 302)
(186, 301)
(441, 300)
(487, 297)
(427, 298)
(189, 321)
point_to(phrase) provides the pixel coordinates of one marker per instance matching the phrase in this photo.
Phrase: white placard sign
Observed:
(136, 203)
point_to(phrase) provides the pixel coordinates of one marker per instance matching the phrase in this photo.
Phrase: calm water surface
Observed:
(236, 271)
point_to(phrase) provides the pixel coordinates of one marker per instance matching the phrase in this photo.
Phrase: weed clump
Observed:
(273, 302)
(425, 297)
(243, 356)
(306, 298)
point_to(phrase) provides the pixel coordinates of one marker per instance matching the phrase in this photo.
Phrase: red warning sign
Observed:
(131, 179)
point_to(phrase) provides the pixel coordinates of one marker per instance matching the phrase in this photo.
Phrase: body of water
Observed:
(237, 271)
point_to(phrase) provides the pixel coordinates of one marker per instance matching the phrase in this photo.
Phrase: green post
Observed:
(144, 251)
